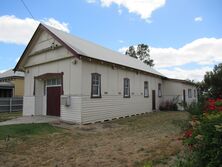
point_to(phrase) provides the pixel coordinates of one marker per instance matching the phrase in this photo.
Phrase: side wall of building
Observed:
(174, 90)
(112, 104)
(19, 86)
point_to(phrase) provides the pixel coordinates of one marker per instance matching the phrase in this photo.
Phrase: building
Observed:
(82, 82)
(184, 90)
(11, 84)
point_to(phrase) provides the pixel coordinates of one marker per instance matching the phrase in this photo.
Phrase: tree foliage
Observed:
(213, 82)
(142, 52)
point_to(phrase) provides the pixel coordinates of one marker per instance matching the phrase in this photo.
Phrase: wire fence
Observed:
(11, 104)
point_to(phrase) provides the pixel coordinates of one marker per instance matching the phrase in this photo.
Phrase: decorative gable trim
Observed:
(38, 30)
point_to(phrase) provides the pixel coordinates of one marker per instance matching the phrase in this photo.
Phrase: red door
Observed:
(53, 101)
(153, 99)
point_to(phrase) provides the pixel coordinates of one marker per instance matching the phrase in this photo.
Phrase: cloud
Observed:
(121, 41)
(198, 19)
(1, 71)
(19, 31)
(17, 59)
(143, 8)
(202, 52)
(91, 1)
(123, 50)
(56, 24)
(180, 73)
(120, 11)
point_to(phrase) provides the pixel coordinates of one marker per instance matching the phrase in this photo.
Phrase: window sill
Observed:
(96, 97)
(126, 96)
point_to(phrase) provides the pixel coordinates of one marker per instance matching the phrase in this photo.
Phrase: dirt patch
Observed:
(126, 142)
(9, 115)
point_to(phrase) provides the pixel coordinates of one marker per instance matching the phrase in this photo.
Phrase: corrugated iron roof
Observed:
(6, 85)
(95, 51)
(11, 73)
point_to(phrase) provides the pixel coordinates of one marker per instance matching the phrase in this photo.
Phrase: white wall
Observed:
(112, 104)
(172, 89)
(28, 105)
(188, 99)
(53, 61)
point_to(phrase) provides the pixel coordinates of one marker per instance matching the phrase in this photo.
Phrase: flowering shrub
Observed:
(204, 137)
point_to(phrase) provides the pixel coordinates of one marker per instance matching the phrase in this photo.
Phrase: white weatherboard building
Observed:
(82, 82)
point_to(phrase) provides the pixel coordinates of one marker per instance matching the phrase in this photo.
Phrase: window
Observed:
(146, 89)
(96, 85)
(195, 93)
(159, 90)
(126, 85)
(53, 82)
(189, 93)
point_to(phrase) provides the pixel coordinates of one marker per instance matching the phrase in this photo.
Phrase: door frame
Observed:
(153, 99)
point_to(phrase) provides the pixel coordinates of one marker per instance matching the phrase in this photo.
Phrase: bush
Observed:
(204, 136)
(169, 105)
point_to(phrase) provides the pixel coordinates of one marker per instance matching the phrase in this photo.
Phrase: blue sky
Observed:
(184, 36)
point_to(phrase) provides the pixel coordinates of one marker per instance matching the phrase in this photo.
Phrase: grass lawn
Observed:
(7, 116)
(24, 130)
(134, 141)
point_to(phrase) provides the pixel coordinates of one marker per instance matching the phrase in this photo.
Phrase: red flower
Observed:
(211, 107)
(211, 100)
(188, 133)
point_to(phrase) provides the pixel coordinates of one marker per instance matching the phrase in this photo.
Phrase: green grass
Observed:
(24, 130)
(7, 116)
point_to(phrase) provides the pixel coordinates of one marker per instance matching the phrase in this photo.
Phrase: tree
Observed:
(142, 53)
(213, 81)
(131, 52)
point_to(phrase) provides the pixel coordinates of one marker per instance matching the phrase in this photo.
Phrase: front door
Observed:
(184, 96)
(53, 100)
(153, 99)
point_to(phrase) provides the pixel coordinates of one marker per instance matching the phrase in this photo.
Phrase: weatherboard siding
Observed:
(46, 50)
(19, 86)
(112, 104)
(173, 89)
(72, 113)
(109, 107)
(54, 61)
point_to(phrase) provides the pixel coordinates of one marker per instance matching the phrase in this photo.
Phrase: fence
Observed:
(11, 104)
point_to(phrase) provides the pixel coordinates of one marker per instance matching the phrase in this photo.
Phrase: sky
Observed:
(184, 36)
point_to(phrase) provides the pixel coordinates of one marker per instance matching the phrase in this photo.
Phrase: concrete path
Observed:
(30, 119)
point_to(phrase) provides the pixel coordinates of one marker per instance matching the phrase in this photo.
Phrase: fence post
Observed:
(10, 105)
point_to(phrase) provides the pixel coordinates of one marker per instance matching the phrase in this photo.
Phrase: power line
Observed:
(27, 9)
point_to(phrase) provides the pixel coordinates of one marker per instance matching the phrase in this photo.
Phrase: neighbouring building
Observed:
(11, 84)
(82, 82)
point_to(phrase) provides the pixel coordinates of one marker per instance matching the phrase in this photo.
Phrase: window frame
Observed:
(98, 86)
(159, 90)
(189, 93)
(194, 93)
(146, 82)
(124, 88)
